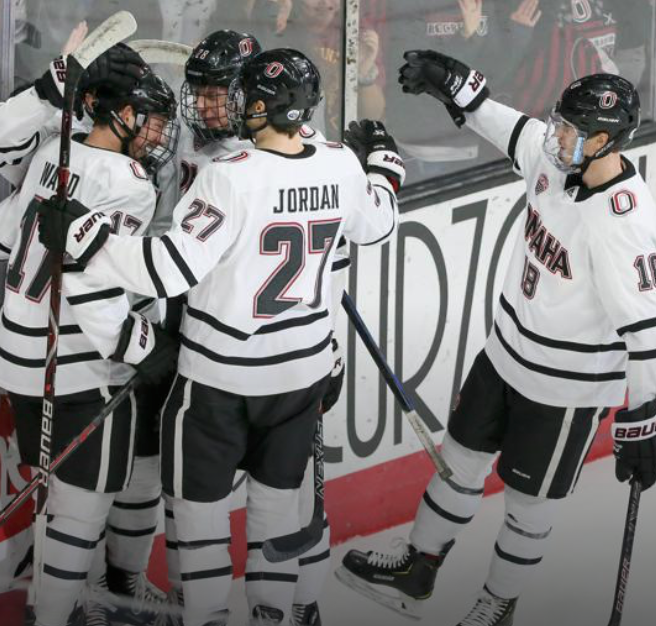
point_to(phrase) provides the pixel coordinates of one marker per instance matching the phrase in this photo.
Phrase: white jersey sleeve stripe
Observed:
(105, 294)
(179, 261)
(150, 267)
(637, 326)
(642, 355)
(514, 138)
(30, 331)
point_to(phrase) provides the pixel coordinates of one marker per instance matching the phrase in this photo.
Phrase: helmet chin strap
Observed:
(247, 132)
(130, 134)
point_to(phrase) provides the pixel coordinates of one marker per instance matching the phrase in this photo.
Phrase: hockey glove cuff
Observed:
(152, 351)
(70, 227)
(634, 436)
(336, 379)
(50, 86)
(450, 81)
(376, 150)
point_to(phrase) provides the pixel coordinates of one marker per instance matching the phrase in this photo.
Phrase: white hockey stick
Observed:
(110, 32)
(158, 51)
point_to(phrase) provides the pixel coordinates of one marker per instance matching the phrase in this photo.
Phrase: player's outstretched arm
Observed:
(465, 94)
(376, 211)
(161, 267)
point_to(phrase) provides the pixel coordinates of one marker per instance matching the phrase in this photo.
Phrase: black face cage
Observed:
(236, 109)
(160, 142)
(208, 123)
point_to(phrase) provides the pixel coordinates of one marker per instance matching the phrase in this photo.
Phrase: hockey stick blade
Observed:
(113, 30)
(627, 550)
(158, 51)
(292, 546)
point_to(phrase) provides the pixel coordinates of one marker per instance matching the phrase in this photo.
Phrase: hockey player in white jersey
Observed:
(205, 136)
(573, 331)
(252, 241)
(133, 130)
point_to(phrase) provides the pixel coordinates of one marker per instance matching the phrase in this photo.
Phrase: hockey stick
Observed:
(396, 387)
(158, 51)
(24, 494)
(110, 32)
(625, 558)
(291, 546)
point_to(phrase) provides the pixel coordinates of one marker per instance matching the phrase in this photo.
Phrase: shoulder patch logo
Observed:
(542, 184)
(138, 170)
(623, 202)
(232, 158)
(306, 132)
(334, 144)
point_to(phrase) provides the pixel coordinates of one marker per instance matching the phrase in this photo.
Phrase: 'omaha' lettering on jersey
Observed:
(300, 199)
(546, 248)
(49, 178)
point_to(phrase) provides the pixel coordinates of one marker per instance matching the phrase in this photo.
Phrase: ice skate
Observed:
(306, 615)
(398, 581)
(490, 610)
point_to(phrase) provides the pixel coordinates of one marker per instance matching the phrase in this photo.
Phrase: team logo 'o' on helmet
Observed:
(212, 66)
(156, 130)
(286, 81)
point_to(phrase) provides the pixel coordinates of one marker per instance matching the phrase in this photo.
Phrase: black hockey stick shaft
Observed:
(395, 386)
(286, 547)
(630, 525)
(24, 494)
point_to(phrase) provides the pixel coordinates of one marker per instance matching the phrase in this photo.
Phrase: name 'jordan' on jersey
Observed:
(90, 315)
(261, 314)
(582, 271)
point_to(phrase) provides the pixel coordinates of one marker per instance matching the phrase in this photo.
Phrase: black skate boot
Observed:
(306, 615)
(266, 616)
(398, 582)
(490, 610)
(138, 600)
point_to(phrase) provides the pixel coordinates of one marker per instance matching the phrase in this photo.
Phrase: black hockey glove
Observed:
(70, 227)
(50, 86)
(336, 380)
(151, 350)
(634, 435)
(450, 81)
(376, 150)
(119, 69)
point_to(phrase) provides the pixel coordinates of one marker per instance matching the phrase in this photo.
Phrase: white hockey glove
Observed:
(152, 351)
(70, 227)
(336, 379)
(634, 436)
(376, 150)
(450, 81)
(50, 86)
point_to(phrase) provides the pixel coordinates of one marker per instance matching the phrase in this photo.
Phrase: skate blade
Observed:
(386, 596)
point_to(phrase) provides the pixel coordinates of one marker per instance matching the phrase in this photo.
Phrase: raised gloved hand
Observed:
(70, 227)
(450, 81)
(50, 86)
(634, 435)
(149, 348)
(119, 68)
(336, 379)
(376, 150)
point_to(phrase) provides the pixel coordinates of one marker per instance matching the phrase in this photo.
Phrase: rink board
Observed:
(429, 300)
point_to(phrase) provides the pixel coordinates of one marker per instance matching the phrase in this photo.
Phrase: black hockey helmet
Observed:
(598, 103)
(156, 130)
(214, 62)
(286, 81)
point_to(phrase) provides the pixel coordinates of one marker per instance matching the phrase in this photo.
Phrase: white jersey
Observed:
(576, 321)
(252, 240)
(91, 315)
(26, 122)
